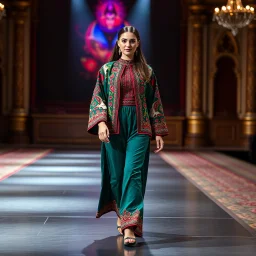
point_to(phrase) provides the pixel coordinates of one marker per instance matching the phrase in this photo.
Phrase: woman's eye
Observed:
(131, 41)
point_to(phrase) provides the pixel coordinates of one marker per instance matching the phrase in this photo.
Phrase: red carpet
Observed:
(12, 161)
(227, 181)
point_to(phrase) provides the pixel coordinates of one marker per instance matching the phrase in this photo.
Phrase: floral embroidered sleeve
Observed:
(98, 108)
(157, 118)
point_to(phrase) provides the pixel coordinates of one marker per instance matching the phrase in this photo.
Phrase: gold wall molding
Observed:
(226, 133)
(66, 129)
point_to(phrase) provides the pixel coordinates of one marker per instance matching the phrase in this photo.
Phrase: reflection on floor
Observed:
(48, 209)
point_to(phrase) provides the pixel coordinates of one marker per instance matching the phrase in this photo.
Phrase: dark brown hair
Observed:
(139, 59)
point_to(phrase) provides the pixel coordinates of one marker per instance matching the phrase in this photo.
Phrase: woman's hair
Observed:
(139, 59)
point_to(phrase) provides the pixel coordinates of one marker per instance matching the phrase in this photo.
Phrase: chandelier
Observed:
(234, 16)
(2, 11)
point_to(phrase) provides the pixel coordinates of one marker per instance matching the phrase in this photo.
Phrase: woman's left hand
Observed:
(159, 144)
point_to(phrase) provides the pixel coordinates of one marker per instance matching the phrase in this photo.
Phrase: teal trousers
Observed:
(126, 163)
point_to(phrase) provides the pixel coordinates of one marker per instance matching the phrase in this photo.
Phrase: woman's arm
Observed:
(98, 107)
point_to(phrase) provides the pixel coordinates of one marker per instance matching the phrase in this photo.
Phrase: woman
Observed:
(126, 111)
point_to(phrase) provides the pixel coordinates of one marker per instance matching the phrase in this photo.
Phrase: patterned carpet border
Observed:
(13, 161)
(234, 193)
(237, 166)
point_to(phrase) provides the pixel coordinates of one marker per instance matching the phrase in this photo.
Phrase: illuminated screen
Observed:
(76, 37)
(100, 35)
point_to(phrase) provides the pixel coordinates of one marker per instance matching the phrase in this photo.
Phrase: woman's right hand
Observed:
(103, 132)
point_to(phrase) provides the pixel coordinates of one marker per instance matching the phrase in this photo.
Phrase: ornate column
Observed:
(249, 120)
(18, 116)
(196, 121)
(33, 60)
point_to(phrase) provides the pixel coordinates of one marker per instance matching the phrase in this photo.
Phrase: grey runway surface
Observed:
(48, 209)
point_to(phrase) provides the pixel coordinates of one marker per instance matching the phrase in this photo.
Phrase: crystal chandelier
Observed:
(2, 11)
(234, 16)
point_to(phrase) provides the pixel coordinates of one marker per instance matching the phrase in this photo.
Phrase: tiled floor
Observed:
(48, 209)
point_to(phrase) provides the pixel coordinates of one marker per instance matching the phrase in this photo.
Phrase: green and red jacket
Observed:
(106, 99)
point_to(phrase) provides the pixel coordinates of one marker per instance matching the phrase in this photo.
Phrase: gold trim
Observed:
(196, 126)
(249, 127)
(18, 123)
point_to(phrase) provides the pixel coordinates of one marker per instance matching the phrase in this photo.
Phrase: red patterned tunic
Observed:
(127, 97)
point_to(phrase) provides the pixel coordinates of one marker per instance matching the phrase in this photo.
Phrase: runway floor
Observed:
(48, 209)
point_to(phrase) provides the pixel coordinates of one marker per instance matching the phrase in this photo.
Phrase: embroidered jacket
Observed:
(106, 101)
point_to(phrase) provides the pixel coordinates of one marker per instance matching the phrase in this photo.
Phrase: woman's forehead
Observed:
(128, 35)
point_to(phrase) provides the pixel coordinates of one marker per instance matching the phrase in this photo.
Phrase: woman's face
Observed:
(128, 44)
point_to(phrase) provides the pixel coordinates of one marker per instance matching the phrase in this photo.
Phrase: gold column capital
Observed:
(19, 9)
(200, 13)
(197, 9)
(19, 4)
(195, 2)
